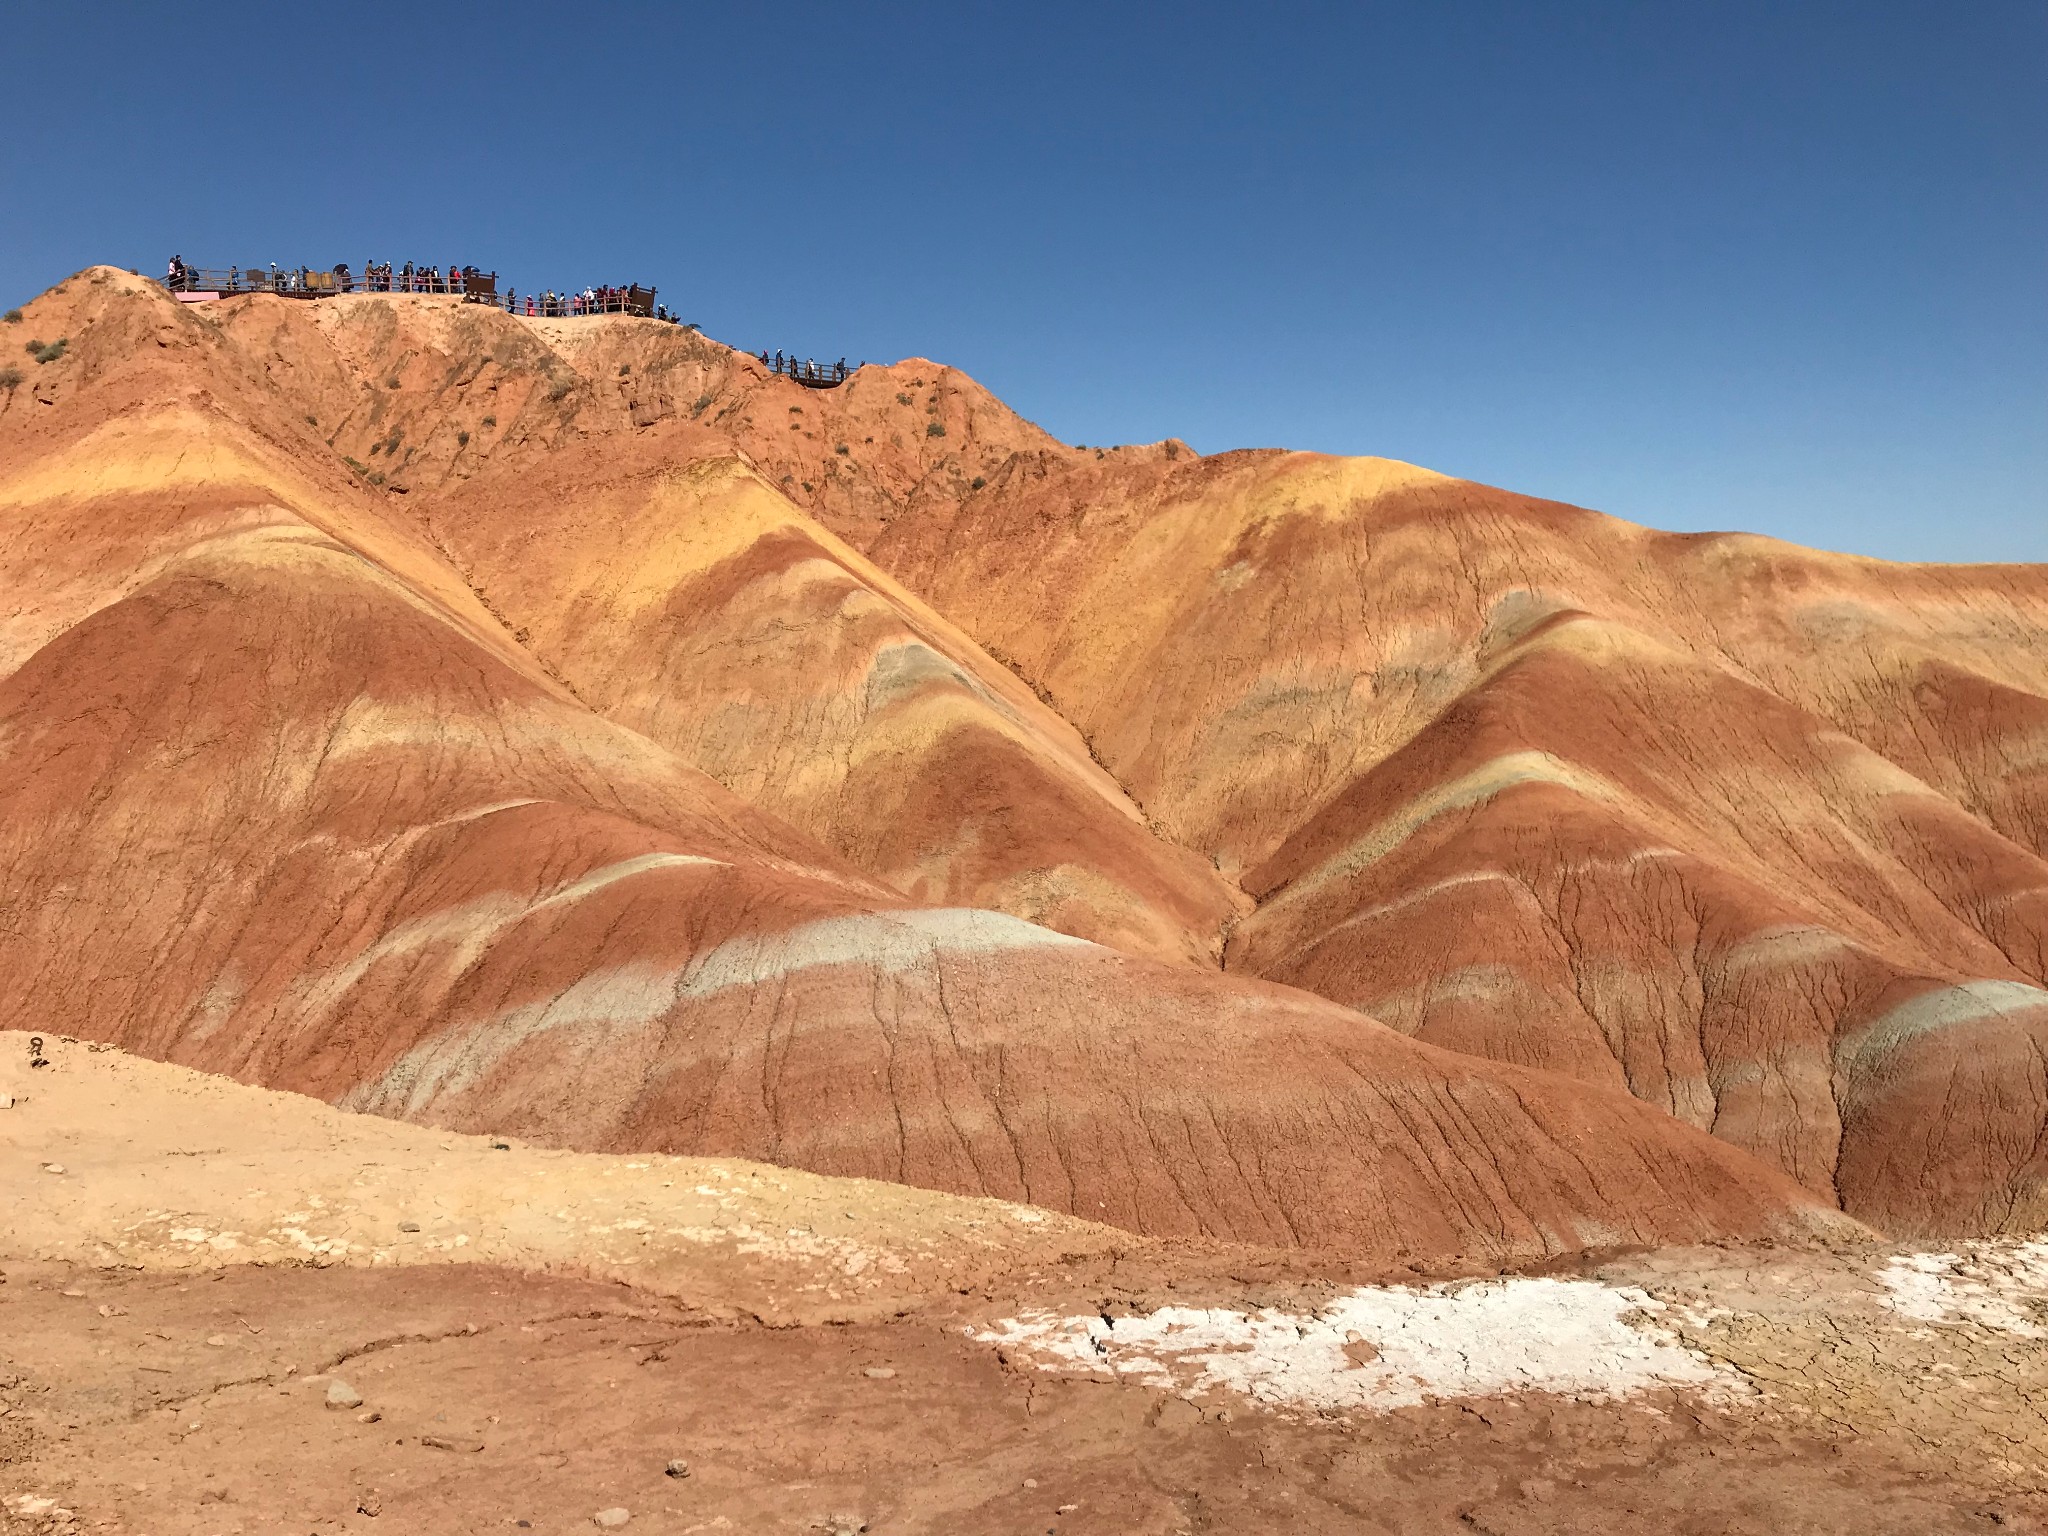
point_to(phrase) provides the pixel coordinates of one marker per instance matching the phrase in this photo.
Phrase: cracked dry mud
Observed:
(816, 1348)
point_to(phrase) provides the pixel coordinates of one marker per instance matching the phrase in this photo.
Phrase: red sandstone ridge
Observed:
(543, 727)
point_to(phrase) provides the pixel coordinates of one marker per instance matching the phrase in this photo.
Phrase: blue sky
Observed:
(1781, 267)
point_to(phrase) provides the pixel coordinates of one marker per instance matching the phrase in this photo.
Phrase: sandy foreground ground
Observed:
(228, 1310)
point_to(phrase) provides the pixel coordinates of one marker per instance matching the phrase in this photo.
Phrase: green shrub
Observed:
(462, 439)
(33, 348)
(392, 382)
(10, 378)
(901, 398)
(691, 325)
(490, 421)
(561, 388)
(12, 317)
(376, 448)
(977, 484)
(624, 369)
(377, 479)
(840, 449)
(703, 404)
(312, 421)
(796, 410)
(934, 429)
(361, 469)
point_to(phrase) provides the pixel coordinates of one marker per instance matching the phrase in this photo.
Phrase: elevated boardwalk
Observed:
(809, 373)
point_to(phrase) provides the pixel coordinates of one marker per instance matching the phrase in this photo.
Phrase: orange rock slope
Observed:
(1756, 832)
(545, 727)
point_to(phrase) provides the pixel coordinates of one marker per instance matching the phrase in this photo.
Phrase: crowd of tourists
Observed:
(376, 277)
(469, 281)
(381, 278)
(591, 301)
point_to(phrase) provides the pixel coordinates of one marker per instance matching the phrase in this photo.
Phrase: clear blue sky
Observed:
(1771, 266)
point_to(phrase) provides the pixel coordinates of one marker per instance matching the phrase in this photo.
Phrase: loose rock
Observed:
(608, 1518)
(677, 1468)
(451, 1442)
(340, 1394)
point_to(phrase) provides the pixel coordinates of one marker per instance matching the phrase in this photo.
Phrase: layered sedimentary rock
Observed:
(284, 793)
(614, 491)
(1756, 831)
(544, 727)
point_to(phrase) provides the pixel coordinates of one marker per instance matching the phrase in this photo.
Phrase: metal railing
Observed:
(304, 282)
(633, 300)
(809, 372)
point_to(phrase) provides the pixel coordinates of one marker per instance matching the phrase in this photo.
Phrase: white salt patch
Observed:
(1379, 1349)
(2003, 1286)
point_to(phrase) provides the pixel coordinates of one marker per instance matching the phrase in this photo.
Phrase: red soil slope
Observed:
(282, 795)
